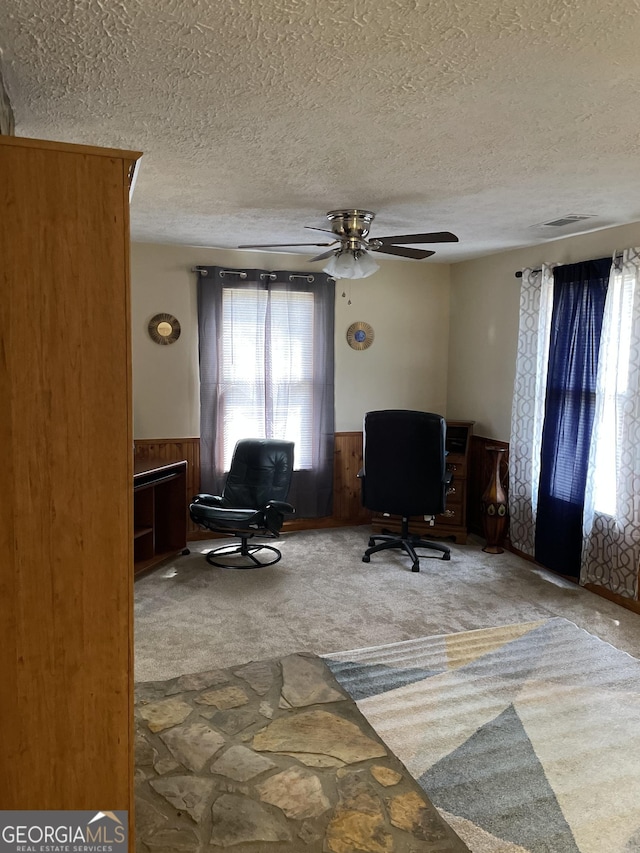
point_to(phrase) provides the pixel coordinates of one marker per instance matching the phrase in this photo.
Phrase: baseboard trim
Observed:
(603, 592)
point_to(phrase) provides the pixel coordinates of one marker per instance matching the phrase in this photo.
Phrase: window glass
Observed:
(267, 369)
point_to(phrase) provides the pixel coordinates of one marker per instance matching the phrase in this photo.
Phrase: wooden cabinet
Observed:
(66, 504)
(452, 524)
(159, 512)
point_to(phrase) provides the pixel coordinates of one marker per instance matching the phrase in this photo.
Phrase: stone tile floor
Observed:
(272, 756)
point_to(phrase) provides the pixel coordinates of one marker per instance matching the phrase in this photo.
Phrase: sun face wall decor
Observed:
(360, 335)
(164, 329)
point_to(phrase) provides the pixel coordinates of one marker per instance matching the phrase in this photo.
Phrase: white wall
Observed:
(406, 366)
(445, 337)
(407, 303)
(165, 378)
(485, 298)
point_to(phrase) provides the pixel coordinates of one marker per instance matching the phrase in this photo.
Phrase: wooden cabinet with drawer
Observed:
(452, 523)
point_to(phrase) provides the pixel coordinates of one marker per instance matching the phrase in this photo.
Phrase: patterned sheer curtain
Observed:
(611, 521)
(527, 415)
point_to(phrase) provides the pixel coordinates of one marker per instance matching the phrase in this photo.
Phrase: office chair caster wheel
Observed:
(366, 559)
(446, 556)
(415, 567)
(372, 542)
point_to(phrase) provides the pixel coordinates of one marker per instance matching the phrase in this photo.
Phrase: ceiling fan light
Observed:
(366, 265)
(337, 266)
(342, 265)
(348, 264)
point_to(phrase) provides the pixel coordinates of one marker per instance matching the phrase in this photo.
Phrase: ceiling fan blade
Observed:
(433, 237)
(281, 245)
(323, 256)
(405, 252)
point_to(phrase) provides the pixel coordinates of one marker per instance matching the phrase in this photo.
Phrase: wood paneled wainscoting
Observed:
(347, 461)
(174, 450)
(347, 508)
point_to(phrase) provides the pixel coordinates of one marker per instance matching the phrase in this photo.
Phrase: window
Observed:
(614, 388)
(267, 370)
(266, 342)
(600, 540)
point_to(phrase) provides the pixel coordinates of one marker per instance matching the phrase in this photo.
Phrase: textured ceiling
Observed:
(483, 117)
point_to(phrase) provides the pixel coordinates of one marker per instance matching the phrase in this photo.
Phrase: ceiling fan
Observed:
(349, 252)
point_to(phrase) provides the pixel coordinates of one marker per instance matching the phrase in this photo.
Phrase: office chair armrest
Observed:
(209, 500)
(281, 506)
(274, 513)
(214, 517)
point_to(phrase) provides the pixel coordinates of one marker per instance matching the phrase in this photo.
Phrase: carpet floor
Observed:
(526, 737)
(321, 597)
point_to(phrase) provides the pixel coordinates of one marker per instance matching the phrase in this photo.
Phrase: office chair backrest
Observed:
(404, 462)
(261, 471)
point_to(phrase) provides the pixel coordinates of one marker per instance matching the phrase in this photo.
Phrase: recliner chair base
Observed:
(245, 551)
(407, 542)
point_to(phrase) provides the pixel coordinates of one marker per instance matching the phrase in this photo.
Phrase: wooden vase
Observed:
(494, 505)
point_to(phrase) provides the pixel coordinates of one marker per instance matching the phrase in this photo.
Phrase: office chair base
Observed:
(407, 542)
(246, 554)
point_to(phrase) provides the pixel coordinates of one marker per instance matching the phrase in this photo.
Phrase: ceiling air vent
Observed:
(569, 219)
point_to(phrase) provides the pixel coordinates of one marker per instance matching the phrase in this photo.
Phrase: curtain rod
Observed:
(203, 271)
(307, 276)
(518, 273)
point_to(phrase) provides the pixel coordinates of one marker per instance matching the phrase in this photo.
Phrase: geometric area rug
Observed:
(525, 737)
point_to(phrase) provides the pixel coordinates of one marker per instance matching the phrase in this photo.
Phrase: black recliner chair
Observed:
(404, 474)
(253, 502)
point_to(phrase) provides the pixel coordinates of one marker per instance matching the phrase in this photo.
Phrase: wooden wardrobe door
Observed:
(66, 490)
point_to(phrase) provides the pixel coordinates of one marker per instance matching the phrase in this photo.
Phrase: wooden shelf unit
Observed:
(159, 512)
(66, 585)
(452, 524)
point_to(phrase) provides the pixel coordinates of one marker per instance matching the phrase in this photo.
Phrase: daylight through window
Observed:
(267, 369)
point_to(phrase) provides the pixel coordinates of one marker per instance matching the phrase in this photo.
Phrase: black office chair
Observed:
(253, 502)
(404, 474)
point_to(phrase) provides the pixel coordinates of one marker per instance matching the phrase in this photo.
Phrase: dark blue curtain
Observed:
(579, 292)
